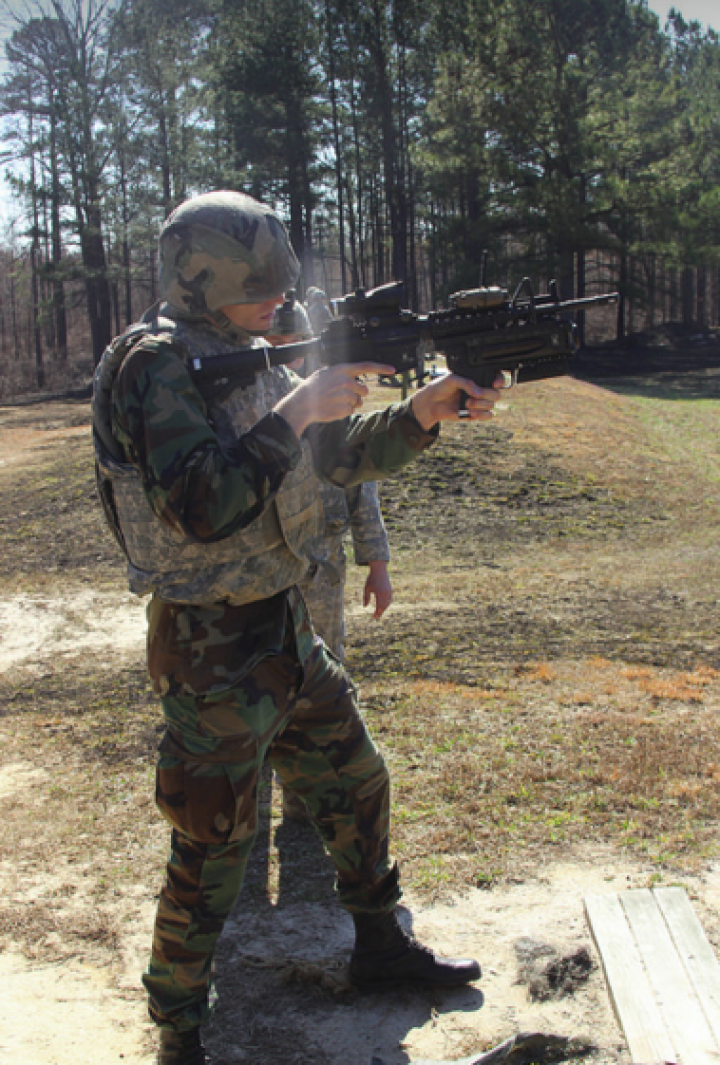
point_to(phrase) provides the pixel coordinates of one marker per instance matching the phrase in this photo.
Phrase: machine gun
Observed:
(482, 334)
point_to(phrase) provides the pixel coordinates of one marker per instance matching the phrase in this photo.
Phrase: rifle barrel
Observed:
(546, 303)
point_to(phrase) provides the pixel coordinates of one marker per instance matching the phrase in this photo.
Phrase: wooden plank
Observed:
(694, 950)
(687, 1026)
(630, 993)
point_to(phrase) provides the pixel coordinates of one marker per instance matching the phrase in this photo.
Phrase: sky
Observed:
(705, 11)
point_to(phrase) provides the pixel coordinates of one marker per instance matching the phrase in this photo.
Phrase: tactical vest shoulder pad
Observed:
(106, 446)
(110, 462)
(107, 450)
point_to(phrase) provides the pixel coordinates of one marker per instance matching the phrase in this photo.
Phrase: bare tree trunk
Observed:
(394, 194)
(297, 183)
(701, 296)
(97, 287)
(34, 257)
(165, 165)
(125, 240)
(414, 280)
(651, 279)
(45, 282)
(14, 315)
(336, 144)
(355, 282)
(673, 294)
(58, 287)
(432, 263)
(631, 302)
(360, 188)
(3, 327)
(115, 301)
(378, 236)
(581, 271)
(688, 297)
(566, 257)
(622, 298)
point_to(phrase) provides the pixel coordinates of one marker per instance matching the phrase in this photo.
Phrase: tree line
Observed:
(441, 142)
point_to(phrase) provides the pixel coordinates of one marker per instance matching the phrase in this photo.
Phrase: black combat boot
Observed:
(385, 954)
(181, 1048)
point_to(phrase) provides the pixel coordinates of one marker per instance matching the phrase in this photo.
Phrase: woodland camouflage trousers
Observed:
(306, 722)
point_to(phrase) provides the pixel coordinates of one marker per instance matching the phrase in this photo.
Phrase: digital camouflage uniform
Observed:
(216, 503)
(356, 510)
(318, 309)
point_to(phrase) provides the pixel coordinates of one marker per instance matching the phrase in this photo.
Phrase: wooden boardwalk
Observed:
(662, 975)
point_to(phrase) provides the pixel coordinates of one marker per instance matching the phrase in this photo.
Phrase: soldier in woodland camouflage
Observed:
(215, 500)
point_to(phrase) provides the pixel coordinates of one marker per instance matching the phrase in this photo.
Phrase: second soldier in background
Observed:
(355, 510)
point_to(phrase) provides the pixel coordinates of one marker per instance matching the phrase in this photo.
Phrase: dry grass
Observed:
(491, 782)
(81, 831)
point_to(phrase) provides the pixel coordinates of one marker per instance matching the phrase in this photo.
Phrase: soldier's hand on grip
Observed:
(331, 393)
(445, 398)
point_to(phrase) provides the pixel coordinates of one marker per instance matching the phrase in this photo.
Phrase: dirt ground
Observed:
(545, 688)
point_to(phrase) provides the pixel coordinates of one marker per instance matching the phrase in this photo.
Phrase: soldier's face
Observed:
(253, 317)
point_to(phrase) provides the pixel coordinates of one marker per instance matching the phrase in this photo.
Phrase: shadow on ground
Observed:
(281, 965)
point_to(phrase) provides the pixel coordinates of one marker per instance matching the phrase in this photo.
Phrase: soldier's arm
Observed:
(369, 535)
(192, 481)
(350, 448)
(371, 547)
(368, 447)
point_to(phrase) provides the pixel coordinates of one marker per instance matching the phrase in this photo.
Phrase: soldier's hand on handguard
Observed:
(331, 393)
(444, 398)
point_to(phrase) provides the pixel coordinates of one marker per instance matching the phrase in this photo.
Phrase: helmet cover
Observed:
(291, 320)
(223, 248)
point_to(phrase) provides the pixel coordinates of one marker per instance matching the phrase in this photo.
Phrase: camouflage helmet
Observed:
(223, 248)
(315, 295)
(291, 320)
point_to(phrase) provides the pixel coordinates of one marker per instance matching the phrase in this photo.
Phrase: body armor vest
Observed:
(255, 563)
